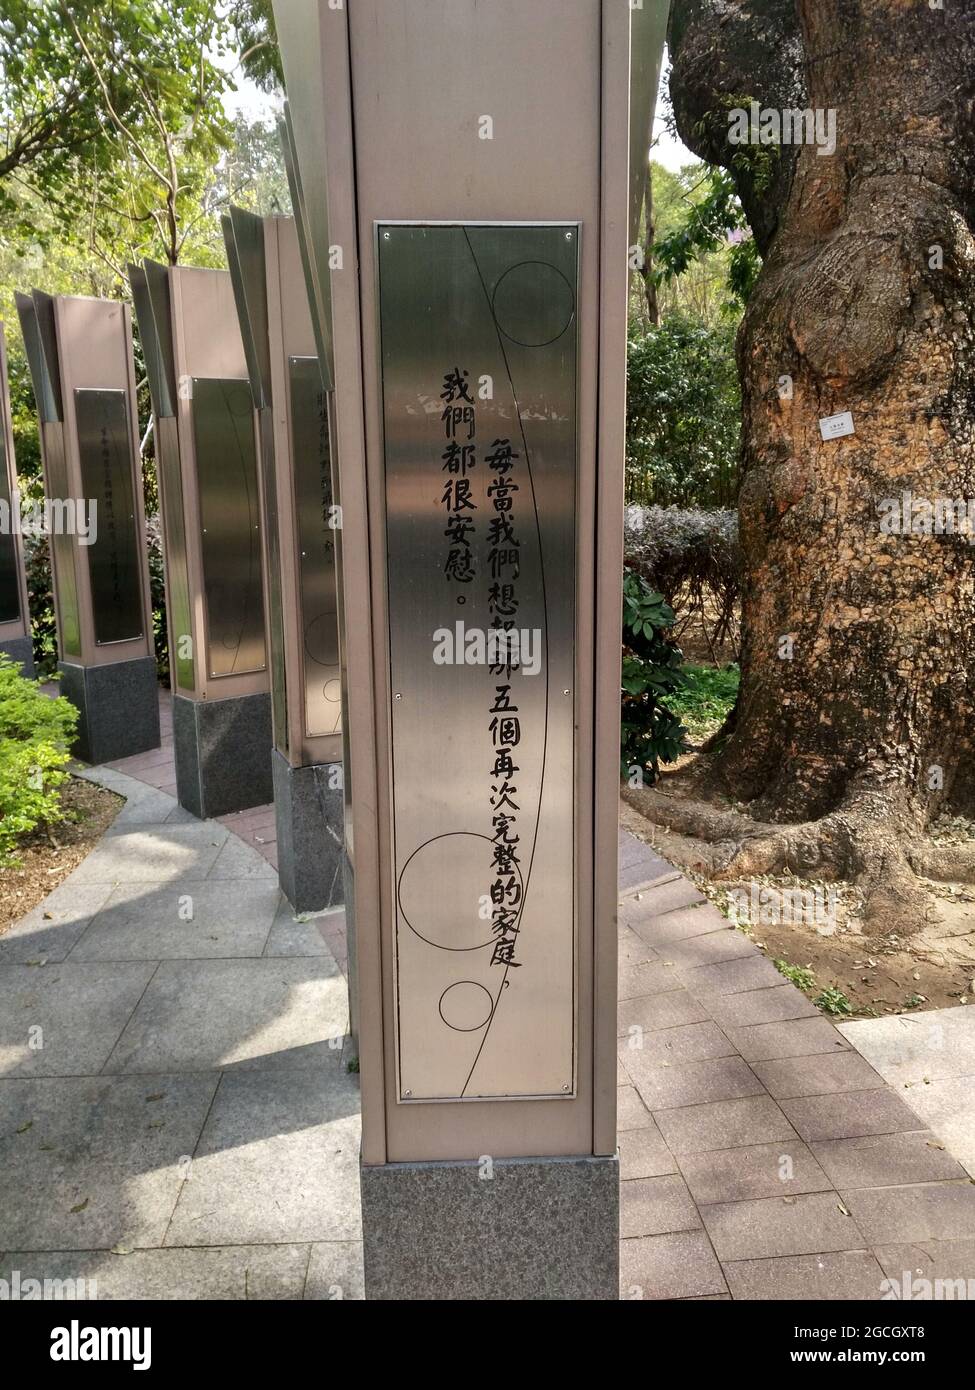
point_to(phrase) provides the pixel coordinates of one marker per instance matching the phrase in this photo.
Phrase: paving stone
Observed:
(662, 897)
(948, 1106)
(669, 1266)
(738, 1175)
(150, 807)
(639, 981)
(906, 1265)
(774, 1005)
(822, 1074)
(853, 1275)
(692, 1083)
(157, 855)
(668, 1010)
(805, 1224)
(634, 851)
(65, 1019)
(710, 949)
(798, 1037)
(925, 1211)
(656, 1206)
(906, 1048)
(730, 977)
(148, 922)
(228, 1273)
(293, 1134)
(278, 1013)
(643, 1153)
(631, 950)
(680, 924)
(180, 816)
(239, 861)
(335, 1271)
(87, 1162)
(848, 1115)
(298, 936)
(882, 1160)
(724, 1124)
(51, 929)
(691, 1042)
(631, 1113)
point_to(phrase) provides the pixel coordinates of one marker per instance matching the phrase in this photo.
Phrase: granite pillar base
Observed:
(118, 708)
(503, 1229)
(20, 649)
(309, 813)
(223, 754)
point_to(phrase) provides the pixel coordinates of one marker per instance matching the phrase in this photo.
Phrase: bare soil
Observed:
(876, 974)
(48, 856)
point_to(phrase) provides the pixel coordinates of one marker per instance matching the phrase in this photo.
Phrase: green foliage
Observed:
(35, 735)
(683, 415)
(800, 975)
(713, 221)
(651, 733)
(706, 697)
(833, 1001)
(260, 57)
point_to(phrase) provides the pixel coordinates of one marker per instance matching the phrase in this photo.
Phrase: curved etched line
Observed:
(541, 570)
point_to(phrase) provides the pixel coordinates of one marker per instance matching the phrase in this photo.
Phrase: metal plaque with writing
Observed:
(177, 565)
(9, 580)
(105, 448)
(62, 544)
(316, 547)
(478, 345)
(226, 465)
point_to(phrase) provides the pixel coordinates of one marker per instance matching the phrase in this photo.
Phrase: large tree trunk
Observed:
(857, 703)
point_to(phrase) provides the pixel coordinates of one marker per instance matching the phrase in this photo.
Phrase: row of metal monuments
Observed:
(240, 416)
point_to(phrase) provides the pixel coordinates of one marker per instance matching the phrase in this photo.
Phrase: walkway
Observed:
(177, 1118)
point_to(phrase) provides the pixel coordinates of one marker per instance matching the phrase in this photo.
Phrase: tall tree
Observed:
(856, 719)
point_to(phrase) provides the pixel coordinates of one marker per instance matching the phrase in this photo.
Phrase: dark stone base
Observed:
(118, 705)
(309, 814)
(223, 754)
(20, 649)
(539, 1228)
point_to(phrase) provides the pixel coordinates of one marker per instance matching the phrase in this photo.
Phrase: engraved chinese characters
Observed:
(479, 396)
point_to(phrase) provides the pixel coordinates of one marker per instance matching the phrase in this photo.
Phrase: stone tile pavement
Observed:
(762, 1156)
(177, 1118)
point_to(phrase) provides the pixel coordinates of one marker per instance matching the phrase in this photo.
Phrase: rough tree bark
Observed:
(836, 751)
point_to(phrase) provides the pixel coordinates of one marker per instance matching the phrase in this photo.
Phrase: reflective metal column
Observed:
(15, 633)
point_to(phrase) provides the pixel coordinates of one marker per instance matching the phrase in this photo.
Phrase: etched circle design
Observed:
(533, 303)
(440, 891)
(466, 1006)
(322, 640)
(332, 691)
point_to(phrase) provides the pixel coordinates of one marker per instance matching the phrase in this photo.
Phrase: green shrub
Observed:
(706, 697)
(35, 735)
(650, 733)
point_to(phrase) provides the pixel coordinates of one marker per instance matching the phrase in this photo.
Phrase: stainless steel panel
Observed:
(312, 472)
(648, 30)
(314, 254)
(478, 335)
(9, 574)
(275, 607)
(107, 466)
(149, 340)
(47, 387)
(178, 609)
(226, 468)
(63, 547)
(243, 236)
(157, 290)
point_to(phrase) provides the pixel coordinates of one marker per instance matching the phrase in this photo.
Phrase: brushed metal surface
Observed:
(478, 358)
(179, 611)
(226, 468)
(275, 604)
(9, 576)
(63, 546)
(160, 307)
(314, 263)
(107, 466)
(43, 372)
(316, 547)
(156, 371)
(243, 235)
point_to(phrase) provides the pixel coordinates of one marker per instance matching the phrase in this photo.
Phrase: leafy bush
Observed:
(35, 735)
(694, 559)
(651, 733)
(683, 415)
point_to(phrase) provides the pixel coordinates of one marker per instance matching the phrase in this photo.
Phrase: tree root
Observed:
(864, 842)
